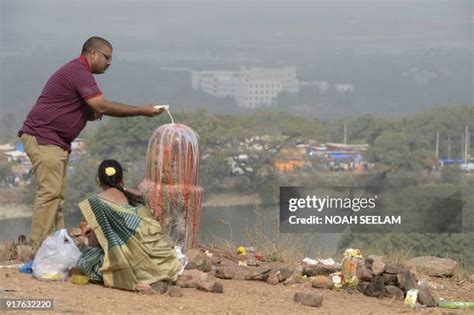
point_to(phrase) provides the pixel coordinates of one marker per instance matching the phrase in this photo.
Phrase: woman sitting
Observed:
(127, 248)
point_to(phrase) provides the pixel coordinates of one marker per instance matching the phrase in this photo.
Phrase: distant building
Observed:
(250, 87)
(322, 86)
(344, 88)
(215, 83)
(346, 147)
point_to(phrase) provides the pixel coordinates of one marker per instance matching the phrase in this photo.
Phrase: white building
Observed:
(344, 88)
(250, 87)
(322, 86)
(216, 83)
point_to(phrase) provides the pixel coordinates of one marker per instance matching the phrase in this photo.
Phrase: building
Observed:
(215, 83)
(321, 86)
(250, 87)
(344, 88)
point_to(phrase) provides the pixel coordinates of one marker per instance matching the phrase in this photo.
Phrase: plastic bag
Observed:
(183, 261)
(56, 255)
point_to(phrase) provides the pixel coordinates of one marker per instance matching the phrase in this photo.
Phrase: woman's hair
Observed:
(110, 174)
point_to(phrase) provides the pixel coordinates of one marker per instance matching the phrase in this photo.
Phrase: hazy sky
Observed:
(188, 21)
(40, 35)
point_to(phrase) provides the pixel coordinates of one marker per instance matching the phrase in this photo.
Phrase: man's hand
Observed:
(150, 110)
(103, 106)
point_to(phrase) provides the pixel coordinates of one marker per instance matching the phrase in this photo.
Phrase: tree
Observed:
(9, 125)
(397, 151)
(81, 182)
(451, 174)
(5, 169)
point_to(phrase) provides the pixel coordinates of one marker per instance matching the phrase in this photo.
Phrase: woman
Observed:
(127, 248)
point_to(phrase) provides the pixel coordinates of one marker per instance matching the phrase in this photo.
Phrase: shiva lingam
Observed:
(171, 182)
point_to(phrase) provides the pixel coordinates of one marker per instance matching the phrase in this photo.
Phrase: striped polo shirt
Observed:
(61, 111)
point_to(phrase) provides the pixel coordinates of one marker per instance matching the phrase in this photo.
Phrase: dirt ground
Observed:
(239, 297)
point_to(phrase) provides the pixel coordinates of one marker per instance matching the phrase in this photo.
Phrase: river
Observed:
(237, 223)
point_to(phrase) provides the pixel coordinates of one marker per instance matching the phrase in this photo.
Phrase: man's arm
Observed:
(102, 106)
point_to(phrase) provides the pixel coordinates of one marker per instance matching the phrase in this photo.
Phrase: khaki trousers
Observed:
(50, 166)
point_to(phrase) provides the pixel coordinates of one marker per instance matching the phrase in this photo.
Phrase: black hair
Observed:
(110, 174)
(95, 43)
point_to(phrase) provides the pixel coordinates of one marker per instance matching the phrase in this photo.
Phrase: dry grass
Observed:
(8, 251)
(264, 236)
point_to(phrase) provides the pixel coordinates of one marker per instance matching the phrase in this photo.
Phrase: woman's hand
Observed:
(92, 239)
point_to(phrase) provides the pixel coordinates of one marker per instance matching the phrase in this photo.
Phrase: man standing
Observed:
(69, 99)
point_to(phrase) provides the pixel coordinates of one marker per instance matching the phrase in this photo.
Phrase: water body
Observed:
(235, 223)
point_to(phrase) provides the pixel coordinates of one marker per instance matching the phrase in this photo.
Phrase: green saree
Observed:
(133, 249)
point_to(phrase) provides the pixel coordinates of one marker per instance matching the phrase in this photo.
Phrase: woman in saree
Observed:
(127, 248)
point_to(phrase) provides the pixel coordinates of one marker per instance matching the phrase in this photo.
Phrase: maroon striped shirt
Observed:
(61, 111)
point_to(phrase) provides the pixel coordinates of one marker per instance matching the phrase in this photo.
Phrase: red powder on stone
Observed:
(171, 182)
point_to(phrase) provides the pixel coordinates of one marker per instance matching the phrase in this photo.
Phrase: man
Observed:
(69, 99)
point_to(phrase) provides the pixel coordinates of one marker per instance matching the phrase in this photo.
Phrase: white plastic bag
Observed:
(183, 261)
(56, 255)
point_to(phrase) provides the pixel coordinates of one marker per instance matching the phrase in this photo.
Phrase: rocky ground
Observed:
(217, 281)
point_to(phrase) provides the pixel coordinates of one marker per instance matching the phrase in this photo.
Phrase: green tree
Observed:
(81, 182)
(451, 174)
(395, 151)
(5, 169)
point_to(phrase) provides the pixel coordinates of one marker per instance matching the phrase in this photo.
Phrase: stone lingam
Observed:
(171, 182)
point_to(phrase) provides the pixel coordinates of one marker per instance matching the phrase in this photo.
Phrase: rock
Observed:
(364, 274)
(243, 272)
(425, 297)
(378, 268)
(319, 269)
(471, 278)
(376, 264)
(375, 288)
(198, 260)
(322, 282)
(191, 278)
(175, 291)
(393, 268)
(206, 286)
(211, 286)
(160, 286)
(278, 275)
(273, 278)
(218, 287)
(225, 272)
(313, 299)
(260, 274)
(252, 262)
(284, 273)
(391, 291)
(296, 278)
(407, 280)
(390, 279)
(434, 266)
